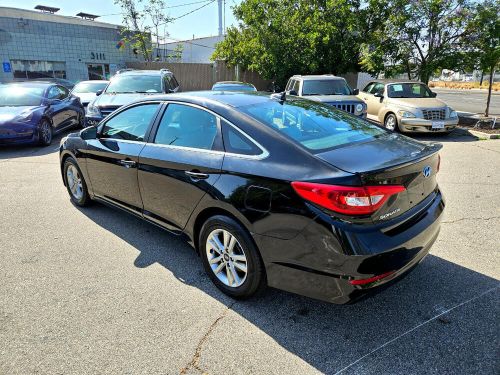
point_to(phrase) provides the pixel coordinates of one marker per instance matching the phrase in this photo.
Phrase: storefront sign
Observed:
(7, 68)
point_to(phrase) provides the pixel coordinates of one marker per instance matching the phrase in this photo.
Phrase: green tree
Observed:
(280, 38)
(417, 37)
(486, 37)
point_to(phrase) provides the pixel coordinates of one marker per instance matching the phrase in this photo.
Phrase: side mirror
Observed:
(99, 92)
(434, 94)
(355, 91)
(89, 133)
(378, 95)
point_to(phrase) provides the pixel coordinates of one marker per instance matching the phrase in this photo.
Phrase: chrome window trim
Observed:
(260, 156)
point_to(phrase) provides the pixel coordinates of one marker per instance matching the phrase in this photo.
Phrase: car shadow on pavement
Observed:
(22, 151)
(457, 135)
(379, 330)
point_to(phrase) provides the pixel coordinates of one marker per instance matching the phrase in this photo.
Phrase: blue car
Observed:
(32, 112)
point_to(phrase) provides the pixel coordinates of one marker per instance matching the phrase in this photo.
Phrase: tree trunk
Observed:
(481, 80)
(492, 74)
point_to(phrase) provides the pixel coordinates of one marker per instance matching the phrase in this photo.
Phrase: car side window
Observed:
(53, 93)
(368, 87)
(63, 92)
(377, 88)
(130, 124)
(237, 143)
(187, 126)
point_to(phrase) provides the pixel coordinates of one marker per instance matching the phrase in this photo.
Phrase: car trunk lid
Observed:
(391, 160)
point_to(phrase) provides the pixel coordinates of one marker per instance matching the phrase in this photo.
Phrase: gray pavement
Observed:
(86, 291)
(473, 101)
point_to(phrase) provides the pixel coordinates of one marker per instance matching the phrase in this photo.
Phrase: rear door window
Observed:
(187, 126)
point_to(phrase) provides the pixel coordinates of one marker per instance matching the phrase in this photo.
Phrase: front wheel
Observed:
(230, 258)
(44, 133)
(391, 122)
(77, 188)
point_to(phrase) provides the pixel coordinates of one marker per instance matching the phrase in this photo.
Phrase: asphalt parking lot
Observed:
(471, 101)
(98, 291)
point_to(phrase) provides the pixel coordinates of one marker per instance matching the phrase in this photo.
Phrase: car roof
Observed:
(229, 98)
(94, 80)
(390, 81)
(144, 72)
(32, 83)
(318, 76)
(232, 83)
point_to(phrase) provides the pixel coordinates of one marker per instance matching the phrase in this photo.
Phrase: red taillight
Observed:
(370, 279)
(349, 200)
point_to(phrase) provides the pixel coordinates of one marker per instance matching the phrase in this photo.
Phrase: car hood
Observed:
(85, 97)
(380, 153)
(333, 98)
(417, 102)
(115, 100)
(8, 113)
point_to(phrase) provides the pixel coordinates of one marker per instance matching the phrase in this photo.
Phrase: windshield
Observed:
(325, 87)
(134, 83)
(316, 126)
(232, 87)
(89, 87)
(408, 90)
(18, 95)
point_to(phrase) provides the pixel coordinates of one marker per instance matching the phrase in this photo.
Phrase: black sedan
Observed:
(269, 190)
(32, 112)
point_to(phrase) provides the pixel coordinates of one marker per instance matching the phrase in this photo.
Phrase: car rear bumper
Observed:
(18, 133)
(424, 126)
(324, 259)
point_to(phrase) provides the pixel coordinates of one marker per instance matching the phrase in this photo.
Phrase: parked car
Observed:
(126, 87)
(58, 81)
(32, 112)
(86, 90)
(290, 193)
(328, 89)
(408, 107)
(233, 86)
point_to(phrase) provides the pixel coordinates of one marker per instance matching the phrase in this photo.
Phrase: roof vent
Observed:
(87, 16)
(46, 9)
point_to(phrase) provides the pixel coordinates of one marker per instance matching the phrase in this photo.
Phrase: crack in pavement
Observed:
(470, 218)
(195, 361)
(443, 312)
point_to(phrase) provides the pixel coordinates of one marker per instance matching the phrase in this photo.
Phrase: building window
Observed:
(33, 69)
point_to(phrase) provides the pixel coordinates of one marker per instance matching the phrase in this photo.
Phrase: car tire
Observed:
(45, 133)
(235, 268)
(391, 122)
(75, 183)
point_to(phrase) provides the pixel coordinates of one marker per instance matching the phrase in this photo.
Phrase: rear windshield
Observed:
(316, 126)
(134, 83)
(325, 87)
(233, 87)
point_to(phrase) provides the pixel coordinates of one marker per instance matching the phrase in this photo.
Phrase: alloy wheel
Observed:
(45, 132)
(74, 181)
(226, 258)
(390, 123)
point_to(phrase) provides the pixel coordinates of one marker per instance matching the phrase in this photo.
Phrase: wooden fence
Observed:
(193, 76)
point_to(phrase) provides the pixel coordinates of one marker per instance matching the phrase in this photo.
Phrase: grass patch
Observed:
(464, 85)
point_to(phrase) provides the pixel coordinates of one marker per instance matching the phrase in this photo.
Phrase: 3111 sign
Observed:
(97, 56)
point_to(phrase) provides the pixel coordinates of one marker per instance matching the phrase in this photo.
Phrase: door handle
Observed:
(128, 163)
(196, 175)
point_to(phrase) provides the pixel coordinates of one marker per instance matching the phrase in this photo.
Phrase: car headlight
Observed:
(453, 113)
(92, 110)
(360, 107)
(405, 114)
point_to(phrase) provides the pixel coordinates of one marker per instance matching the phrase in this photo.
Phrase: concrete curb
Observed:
(484, 136)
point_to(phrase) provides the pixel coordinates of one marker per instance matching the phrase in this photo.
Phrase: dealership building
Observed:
(40, 43)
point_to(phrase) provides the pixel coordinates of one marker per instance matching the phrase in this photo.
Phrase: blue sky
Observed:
(200, 23)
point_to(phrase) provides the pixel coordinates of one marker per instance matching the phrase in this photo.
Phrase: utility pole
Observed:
(220, 16)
